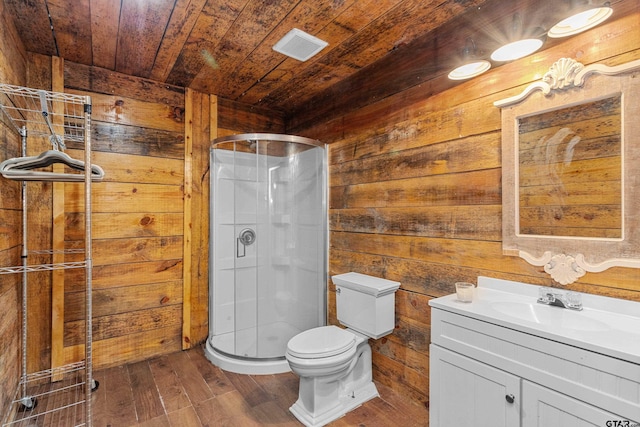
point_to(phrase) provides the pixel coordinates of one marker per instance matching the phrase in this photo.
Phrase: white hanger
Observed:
(21, 168)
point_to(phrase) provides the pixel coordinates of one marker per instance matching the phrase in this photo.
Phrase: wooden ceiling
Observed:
(224, 47)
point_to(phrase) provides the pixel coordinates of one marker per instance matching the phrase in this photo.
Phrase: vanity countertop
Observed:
(607, 326)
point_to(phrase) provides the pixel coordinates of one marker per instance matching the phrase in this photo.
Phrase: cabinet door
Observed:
(543, 407)
(466, 393)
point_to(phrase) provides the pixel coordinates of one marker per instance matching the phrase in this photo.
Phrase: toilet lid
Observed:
(320, 342)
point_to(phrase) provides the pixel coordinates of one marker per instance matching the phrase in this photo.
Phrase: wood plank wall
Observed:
(235, 117)
(145, 302)
(138, 136)
(137, 223)
(13, 67)
(415, 195)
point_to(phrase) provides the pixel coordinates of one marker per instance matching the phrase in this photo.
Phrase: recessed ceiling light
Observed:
(580, 22)
(516, 50)
(299, 45)
(469, 70)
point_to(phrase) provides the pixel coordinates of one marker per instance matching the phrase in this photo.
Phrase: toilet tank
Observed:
(365, 303)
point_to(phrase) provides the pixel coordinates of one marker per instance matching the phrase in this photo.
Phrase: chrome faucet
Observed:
(569, 299)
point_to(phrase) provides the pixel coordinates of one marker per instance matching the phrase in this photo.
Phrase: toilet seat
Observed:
(321, 342)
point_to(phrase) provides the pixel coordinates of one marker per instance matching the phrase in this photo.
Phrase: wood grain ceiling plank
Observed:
(142, 26)
(225, 46)
(183, 19)
(257, 21)
(213, 23)
(353, 53)
(32, 22)
(105, 18)
(70, 22)
(427, 59)
(345, 24)
(372, 43)
(311, 16)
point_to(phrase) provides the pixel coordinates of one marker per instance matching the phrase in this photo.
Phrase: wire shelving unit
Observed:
(59, 396)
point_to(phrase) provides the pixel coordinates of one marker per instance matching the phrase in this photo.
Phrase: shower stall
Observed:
(268, 248)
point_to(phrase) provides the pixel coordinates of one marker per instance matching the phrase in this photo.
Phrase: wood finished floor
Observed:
(184, 389)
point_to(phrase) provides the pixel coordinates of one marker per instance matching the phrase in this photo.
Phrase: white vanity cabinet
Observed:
(504, 360)
(542, 407)
(465, 392)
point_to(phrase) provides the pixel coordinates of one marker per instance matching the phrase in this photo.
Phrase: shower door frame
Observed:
(237, 362)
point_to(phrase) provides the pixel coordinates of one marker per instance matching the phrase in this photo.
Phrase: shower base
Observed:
(222, 351)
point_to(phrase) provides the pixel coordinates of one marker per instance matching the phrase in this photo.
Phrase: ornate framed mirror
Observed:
(571, 170)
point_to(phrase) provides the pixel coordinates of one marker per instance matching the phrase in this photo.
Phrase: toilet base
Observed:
(346, 404)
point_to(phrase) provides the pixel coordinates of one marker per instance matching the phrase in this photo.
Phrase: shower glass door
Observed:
(268, 248)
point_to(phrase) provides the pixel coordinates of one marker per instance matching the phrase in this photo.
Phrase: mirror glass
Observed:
(570, 171)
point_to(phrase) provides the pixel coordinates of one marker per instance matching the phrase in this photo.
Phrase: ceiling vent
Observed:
(299, 45)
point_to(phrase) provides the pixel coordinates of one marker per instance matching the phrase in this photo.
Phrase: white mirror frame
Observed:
(567, 259)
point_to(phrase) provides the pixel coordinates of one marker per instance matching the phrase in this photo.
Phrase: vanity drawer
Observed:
(602, 381)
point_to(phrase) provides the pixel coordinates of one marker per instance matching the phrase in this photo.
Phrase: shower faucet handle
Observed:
(246, 237)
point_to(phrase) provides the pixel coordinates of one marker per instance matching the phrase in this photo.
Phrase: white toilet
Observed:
(334, 364)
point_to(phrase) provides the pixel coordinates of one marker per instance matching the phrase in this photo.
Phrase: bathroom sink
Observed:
(608, 326)
(557, 317)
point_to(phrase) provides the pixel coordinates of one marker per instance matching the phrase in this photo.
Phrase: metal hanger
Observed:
(56, 141)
